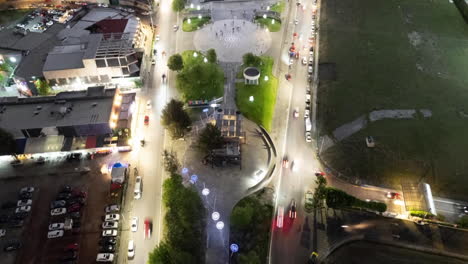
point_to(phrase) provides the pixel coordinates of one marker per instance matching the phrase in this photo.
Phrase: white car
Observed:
(304, 60)
(311, 60)
(35, 27)
(296, 21)
(109, 233)
(307, 98)
(110, 224)
(24, 202)
(27, 189)
(134, 224)
(56, 226)
(23, 209)
(310, 69)
(105, 257)
(157, 37)
(55, 234)
(112, 217)
(112, 208)
(294, 165)
(131, 249)
(308, 137)
(306, 113)
(50, 23)
(58, 211)
(2, 232)
(148, 104)
(175, 27)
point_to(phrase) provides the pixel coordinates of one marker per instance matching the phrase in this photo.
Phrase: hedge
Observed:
(337, 198)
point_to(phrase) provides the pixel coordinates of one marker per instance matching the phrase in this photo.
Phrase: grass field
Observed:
(398, 54)
(266, 22)
(194, 24)
(262, 108)
(9, 16)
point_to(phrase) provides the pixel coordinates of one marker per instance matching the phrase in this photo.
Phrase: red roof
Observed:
(110, 26)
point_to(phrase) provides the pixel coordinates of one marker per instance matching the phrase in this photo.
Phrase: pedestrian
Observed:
(216, 34)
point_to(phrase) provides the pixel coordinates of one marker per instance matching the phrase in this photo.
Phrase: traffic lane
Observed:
(452, 210)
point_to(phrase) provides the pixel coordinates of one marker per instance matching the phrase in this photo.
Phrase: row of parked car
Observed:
(65, 212)
(110, 227)
(22, 209)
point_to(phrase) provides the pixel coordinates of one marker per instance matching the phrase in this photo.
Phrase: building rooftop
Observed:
(91, 106)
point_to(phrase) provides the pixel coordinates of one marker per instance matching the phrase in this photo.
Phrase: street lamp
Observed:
(189, 21)
(198, 7)
(272, 21)
(220, 225)
(191, 5)
(195, 54)
(184, 170)
(251, 98)
(264, 16)
(205, 191)
(266, 78)
(199, 16)
(215, 216)
(268, 8)
(205, 60)
(12, 59)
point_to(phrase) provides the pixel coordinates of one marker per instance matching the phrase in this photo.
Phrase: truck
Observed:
(308, 125)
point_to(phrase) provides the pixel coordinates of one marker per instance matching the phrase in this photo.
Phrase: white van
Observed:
(138, 188)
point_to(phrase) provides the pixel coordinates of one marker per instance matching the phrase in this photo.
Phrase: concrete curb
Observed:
(392, 244)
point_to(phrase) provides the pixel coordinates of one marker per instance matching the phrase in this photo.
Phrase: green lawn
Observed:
(278, 7)
(262, 108)
(266, 22)
(199, 80)
(398, 55)
(194, 24)
(8, 16)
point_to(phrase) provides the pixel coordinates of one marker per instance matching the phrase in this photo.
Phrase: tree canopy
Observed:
(175, 62)
(178, 5)
(249, 59)
(211, 56)
(176, 119)
(210, 138)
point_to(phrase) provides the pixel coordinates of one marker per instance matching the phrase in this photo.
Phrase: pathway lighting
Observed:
(215, 216)
(220, 225)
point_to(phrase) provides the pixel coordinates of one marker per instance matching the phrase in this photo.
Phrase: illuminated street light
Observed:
(191, 5)
(205, 191)
(264, 16)
(251, 98)
(199, 16)
(12, 59)
(266, 78)
(205, 60)
(189, 21)
(268, 8)
(195, 54)
(184, 170)
(220, 225)
(344, 226)
(198, 7)
(215, 216)
(272, 21)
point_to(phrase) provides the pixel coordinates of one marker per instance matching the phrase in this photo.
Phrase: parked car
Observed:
(110, 224)
(78, 200)
(63, 196)
(105, 257)
(74, 156)
(73, 247)
(66, 189)
(134, 224)
(2, 232)
(58, 204)
(25, 195)
(107, 241)
(11, 246)
(146, 120)
(108, 249)
(23, 209)
(21, 215)
(112, 217)
(71, 255)
(113, 208)
(58, 211)
(78, 193)
(109, 233)
(24, 202)
(75, 215)
(56, 226)
(16, 223)
(55, 234)
(131, 249)
(27, 189)
(74, 208)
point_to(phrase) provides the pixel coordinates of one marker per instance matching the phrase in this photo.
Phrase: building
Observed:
(99, 49)
(68, 121)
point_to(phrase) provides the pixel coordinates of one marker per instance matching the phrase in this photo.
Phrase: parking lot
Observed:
(87, 186)
(40, 19)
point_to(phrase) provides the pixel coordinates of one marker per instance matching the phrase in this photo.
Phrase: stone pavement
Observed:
(232, 38)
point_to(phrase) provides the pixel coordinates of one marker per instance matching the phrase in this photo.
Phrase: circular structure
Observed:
(232, 38)
(234, 248)
(205, 191)
(251, 75)
(215, 216)
(220, 225)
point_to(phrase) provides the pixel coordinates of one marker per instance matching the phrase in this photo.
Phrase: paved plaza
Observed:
(232, 38)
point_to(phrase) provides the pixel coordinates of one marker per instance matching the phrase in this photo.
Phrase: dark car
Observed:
(25, 195)
(71, 247)
(74, 208)
(75, 215)
(108, 248)
(58, 204)
(107, 241)
(8, 205)
(16, 223)
(78, 200)
(71, 255)
(65, 189)
(292, 209)
(4, 219)
(63, 196)
(21, 215)
(78, 193)
(74, 156)
(11, 246)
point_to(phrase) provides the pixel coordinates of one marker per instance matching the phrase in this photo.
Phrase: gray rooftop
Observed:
(92, 106)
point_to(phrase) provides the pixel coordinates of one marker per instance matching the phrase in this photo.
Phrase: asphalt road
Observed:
(148, 159)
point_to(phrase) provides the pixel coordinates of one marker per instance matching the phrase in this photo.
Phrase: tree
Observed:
(175, 62)
(250, 258)
(7, 143)
(171, 164)
(210, 138)
(43, 88)
(241, 216)
(178, 5)
(463, 221)
(211, 56)
(250, 59)
(176, 119)
(320, 192)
